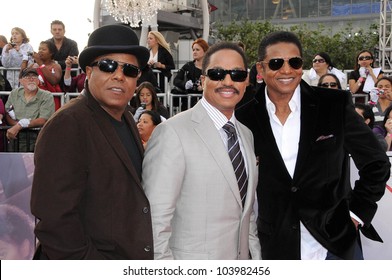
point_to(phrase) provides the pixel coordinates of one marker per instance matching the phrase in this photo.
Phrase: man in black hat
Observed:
(87, 193)
(27, 106)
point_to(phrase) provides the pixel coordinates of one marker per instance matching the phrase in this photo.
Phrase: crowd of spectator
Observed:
(57, 65)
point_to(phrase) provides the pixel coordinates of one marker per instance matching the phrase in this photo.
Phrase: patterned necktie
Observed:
(237, 159)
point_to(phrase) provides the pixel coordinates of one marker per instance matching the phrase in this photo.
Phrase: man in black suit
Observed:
(303, 138)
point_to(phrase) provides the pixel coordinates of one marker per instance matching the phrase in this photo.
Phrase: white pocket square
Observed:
(324, 137)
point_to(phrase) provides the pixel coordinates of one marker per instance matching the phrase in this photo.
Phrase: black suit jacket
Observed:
(320, 193)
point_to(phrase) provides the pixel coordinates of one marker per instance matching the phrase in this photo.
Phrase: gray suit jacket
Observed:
(195, 202)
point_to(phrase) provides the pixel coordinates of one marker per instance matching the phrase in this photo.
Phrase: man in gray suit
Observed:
(201, 203)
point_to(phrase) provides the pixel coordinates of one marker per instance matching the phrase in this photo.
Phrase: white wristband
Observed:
(24, 123)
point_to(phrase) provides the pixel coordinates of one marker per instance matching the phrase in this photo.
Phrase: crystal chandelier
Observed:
(132, 11)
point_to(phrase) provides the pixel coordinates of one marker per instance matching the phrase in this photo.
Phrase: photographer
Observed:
(187, 79)
(73, 84)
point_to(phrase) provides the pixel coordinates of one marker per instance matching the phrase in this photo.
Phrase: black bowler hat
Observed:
(113, 39)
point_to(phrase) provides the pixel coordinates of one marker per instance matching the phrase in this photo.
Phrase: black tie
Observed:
(237, 159)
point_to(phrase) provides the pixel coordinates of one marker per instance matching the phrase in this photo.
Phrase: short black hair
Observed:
(56, 21)
(275, 38)
(222, 46)
(327, 59)
(331, 75)
(156, 118)
(51, 46)
(367, 113)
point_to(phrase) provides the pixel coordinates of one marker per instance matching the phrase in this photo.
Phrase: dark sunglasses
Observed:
(331, 84)
(109, 66)
(277, 63)
(220, 74)
(365, 58)
(320, 60)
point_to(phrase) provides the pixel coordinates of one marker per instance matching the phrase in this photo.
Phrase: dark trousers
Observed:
(358, 254)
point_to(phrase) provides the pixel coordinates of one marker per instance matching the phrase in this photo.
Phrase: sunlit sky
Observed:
(35, 18)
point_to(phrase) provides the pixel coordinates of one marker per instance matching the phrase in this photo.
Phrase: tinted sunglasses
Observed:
(319, 60)
(365, 58)
(109, 66)
(331, 84)
(277, 63)
(220, 74)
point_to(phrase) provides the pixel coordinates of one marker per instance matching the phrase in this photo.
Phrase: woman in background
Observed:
(146, 95)
(188, 77)
(330, 81)
(364, 76)
(148, 120)
(49, 72)
(15, 53)
(385, 128)
(73, 84)
(160, 56)
(384, 100)
(322, 64)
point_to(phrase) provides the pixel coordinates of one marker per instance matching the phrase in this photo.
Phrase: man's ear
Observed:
(259, 67)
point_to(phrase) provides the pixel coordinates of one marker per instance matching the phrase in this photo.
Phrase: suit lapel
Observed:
(267, 135)
(207, 132)
(309, 111)
(250, 158)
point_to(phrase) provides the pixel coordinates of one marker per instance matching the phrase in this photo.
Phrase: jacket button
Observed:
(294, 189)
(145, 210)
(147, 248)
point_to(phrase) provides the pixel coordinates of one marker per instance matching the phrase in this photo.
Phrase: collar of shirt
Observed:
(216, 116)
(294, 103)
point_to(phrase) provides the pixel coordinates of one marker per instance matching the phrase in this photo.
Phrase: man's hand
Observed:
(13, 131)
(356, 223)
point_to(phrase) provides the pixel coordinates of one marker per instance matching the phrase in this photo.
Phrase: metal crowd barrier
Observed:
(14, 74)
(361, 96)
(14, 145)
(177, 109)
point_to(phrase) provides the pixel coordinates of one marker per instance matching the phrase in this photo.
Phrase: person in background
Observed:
(91, 204)
(2, 123)
(73, 84)
(322, 64)
(187, 79)
(14, 53)
(384, 87)
(366, 112)
(49, 72)
(364, 76)
(147, 75)
(205, 209)
(385, 128)
(160, 56)
(304, 137)
(27, 107)
(146, 98)
(146, 124)
(65, 46)
(329, 81)
(255, 79)
(3, 42)
(16, 234)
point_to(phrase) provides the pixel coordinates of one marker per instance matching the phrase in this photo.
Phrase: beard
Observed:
(31, 86)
